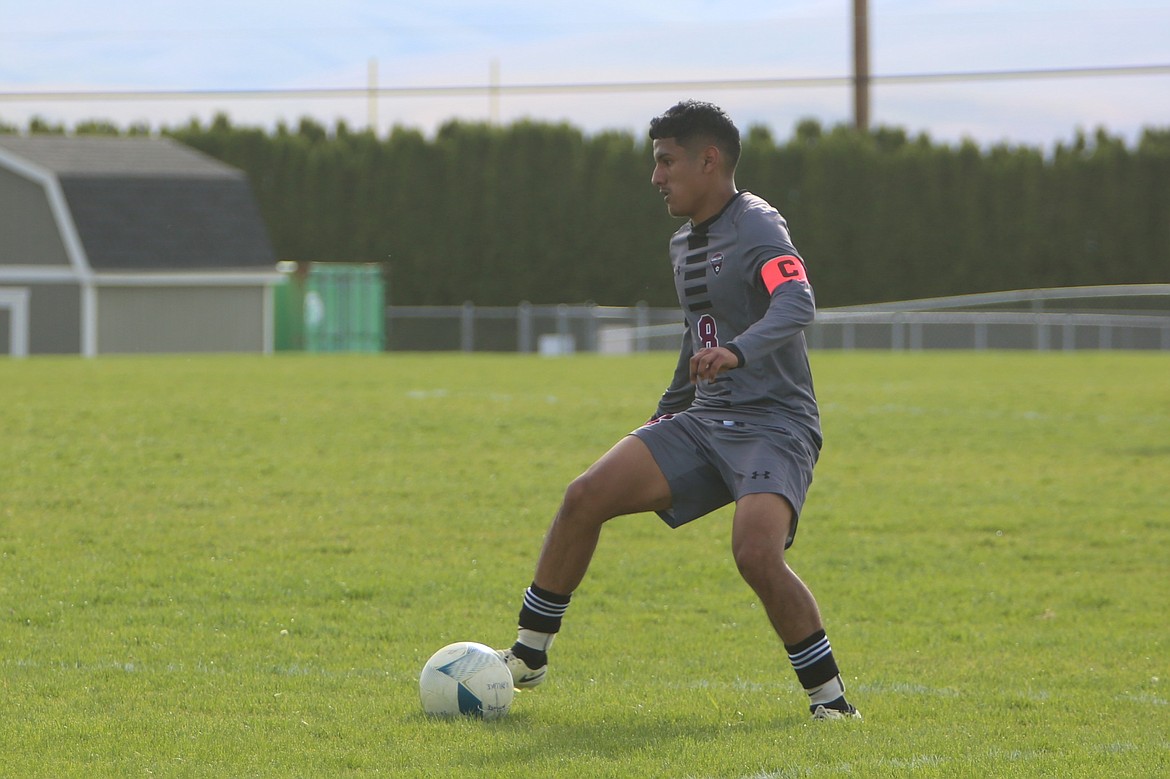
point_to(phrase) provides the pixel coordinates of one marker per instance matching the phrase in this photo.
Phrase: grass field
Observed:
(236, 566)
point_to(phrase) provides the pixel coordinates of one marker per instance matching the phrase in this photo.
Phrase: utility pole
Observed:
(494, 92)
(861, 65)
(372, 94)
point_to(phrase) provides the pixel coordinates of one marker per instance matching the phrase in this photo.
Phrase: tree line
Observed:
(545, 213)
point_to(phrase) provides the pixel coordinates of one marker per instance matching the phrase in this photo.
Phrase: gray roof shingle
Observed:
(152, 204)
(102, 156)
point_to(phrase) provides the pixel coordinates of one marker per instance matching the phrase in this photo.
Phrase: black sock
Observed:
(543, 610)
(540, 621)
(815, 667)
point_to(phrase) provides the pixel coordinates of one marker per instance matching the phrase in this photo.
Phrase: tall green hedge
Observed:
(544, 213)
(882, 216)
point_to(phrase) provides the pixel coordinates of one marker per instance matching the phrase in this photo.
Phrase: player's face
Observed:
(678, 175)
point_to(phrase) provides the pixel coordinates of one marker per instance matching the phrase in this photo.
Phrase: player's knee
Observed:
(592, 498)
(581, 497)
(757, 560)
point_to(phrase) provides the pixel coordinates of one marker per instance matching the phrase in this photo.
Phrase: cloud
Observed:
(127, 45)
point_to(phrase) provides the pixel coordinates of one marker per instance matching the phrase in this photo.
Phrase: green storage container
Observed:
(332, 307)
(288, 300)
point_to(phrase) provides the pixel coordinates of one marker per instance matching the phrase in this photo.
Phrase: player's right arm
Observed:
(681, 392)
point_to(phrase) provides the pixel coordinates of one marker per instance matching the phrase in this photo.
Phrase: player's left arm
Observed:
(780, 273)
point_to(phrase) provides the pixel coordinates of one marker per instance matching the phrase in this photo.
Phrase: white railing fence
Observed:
(1111, 317)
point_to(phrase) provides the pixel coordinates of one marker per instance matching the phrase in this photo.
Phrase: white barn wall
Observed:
(158, 320)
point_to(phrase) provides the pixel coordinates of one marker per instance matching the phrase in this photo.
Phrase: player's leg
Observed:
(758, 535)
(625, 480)
(760, 531)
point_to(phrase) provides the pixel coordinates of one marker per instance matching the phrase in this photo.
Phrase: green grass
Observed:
(236, 566)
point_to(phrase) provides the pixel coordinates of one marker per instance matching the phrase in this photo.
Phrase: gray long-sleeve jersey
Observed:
(742, 285)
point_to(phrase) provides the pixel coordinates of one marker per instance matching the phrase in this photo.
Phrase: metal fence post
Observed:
(563, 319)
(524, 327)
(641, 322)
(592, 312)
(467, 327)
(1041, 328)
(916, 336)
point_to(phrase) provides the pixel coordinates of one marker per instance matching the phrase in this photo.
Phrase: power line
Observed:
(1039, 73)
(473, 90)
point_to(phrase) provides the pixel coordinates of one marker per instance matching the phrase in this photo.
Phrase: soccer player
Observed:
(738, 422)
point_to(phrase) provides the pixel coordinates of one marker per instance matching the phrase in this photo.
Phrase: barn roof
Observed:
(104, 156)
(152, 204)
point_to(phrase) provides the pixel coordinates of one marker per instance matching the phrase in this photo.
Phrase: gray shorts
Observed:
(709, 463)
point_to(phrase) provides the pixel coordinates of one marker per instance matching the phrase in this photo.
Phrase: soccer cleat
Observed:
(522, 675)
(822, 712)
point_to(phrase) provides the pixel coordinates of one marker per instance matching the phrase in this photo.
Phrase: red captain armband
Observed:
(780, 270)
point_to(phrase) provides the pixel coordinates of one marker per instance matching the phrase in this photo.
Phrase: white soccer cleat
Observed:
(827, 713)
(522, 675)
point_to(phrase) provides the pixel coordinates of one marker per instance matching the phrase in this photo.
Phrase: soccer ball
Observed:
(468, 679)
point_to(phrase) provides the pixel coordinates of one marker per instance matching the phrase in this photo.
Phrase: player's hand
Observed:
(707, 364)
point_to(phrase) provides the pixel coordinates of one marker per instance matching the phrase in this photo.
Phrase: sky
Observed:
(213, 46)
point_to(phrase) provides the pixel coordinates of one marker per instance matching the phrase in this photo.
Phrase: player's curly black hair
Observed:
(693, 120)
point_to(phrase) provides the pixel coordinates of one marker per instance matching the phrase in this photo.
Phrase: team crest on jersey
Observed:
(717, 262)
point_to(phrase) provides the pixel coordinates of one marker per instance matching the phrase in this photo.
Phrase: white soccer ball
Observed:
(466, 679)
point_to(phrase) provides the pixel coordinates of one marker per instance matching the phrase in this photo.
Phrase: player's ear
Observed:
(711, 158)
